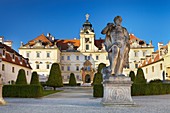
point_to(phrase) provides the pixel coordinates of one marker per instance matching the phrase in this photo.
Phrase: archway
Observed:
(87, 78)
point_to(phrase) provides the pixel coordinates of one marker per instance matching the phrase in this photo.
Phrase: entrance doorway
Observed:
(87, 79)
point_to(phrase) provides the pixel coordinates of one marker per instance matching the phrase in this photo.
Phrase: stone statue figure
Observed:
(117, 45)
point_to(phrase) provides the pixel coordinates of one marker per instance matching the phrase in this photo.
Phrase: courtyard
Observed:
(80, 100)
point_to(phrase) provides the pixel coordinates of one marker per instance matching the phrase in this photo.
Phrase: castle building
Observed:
(79, 56)
(11, 62)
(156, 65)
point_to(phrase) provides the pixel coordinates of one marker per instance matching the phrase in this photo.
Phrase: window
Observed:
(88, 57)
(13, 70)
(27, 72)
(152, 68)
(62, 68)
(68, 57)
(62, 57)
(27, 54)
(85, 57)
(3, 52)
(48, 66)
(87, 47)
(161, 66)
(48, 55)
(136, 53)
(3, 67)
(68, 68)
(38, 54)
(77, 57)
(37, 66)
(136, 65)
(97, 57)
(77, 77)
(13, 56)
(77, 68)
(146, 70)
(144, 53)
(88, 68)
(68, 77)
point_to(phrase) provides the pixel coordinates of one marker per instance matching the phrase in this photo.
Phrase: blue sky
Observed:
(23, 20)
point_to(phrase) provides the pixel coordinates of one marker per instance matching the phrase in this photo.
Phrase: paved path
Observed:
(78, 100)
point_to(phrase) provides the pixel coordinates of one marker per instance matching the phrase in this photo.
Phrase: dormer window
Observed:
(13, 56)
(3, 53)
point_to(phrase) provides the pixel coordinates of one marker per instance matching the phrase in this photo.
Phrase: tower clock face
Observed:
(86, 40)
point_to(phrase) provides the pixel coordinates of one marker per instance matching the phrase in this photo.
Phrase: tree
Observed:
(21, 78)
(140, 78)
(55, 78)
(72, 80)
(132, 76)
(100, 67)
(35, 78)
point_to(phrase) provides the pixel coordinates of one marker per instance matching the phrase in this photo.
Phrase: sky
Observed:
(24, 20)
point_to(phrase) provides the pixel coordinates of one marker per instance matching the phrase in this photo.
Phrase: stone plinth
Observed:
(2, 101)
(117, 91)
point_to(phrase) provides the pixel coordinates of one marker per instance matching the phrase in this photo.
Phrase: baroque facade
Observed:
(79, 56)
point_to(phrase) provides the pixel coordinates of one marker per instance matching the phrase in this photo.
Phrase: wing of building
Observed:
(11, 62)
(80, 56)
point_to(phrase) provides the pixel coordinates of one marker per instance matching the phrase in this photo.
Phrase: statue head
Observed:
(118, 20)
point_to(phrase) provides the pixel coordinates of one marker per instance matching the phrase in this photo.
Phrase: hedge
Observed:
(150, 89)
(98, 90)
(22, 91)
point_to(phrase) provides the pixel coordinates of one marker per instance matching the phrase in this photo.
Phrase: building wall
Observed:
(167, 63)
(8, 75)
(42, 60)
(154, 71)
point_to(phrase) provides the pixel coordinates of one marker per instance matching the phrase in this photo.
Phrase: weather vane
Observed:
(87, 17)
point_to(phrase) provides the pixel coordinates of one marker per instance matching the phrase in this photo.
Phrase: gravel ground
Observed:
(80, 100)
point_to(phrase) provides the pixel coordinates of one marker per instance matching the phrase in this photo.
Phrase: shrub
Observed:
(22, 91)
(100, 67)
(98, 90)
(35, 78)
(132, 76)
(55, 78)
(150, 89)
(21, 78)
(156, 81)
(72, 80)
(98, 78)
(140, 78)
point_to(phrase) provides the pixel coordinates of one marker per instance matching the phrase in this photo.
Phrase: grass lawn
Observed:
(48, 92)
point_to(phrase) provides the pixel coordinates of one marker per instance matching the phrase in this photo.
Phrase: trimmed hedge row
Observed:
(150, 89)
(22, 91)
(98, 90)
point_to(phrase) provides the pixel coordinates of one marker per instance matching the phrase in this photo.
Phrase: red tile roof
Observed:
(41, 38)
(63, 44)
(8, 57)
(156, 59)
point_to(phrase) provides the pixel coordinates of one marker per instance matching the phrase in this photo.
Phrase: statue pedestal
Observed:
(2, 101)
(117, 91)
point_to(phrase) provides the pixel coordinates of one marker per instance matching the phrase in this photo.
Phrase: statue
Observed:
(117, 45)
(117, 88)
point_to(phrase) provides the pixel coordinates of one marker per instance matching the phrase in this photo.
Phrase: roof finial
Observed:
(87, 17)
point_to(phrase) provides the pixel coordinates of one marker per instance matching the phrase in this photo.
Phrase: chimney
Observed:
(8, 43)
(1, 39)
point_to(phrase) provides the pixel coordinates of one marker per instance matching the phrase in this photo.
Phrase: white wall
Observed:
(8, 75)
